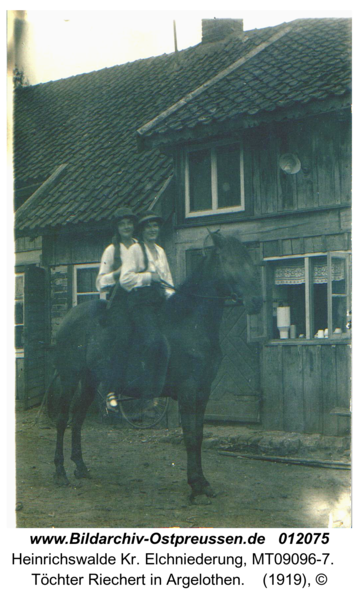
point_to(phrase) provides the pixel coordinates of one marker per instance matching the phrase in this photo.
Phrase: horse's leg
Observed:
(61, 424)
(201, 403)
(192, 426)
(87, 395)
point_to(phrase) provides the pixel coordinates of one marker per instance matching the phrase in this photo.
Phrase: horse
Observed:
(190, 322)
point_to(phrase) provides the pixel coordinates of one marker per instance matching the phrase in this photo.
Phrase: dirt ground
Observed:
(138, 479)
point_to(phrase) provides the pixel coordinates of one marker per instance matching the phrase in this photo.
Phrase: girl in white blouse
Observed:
(117, 327)
(144, 273)
(114, 255)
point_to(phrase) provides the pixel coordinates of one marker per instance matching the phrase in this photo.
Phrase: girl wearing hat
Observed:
(144, 273)
(114, 254)
(116, 325)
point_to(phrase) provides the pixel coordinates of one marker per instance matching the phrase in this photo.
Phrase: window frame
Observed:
(75, 293)
(215, 210)
(309, 316)
(19, 352)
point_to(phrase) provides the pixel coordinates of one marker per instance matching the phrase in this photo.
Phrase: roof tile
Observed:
(89, 121)
(310, 62)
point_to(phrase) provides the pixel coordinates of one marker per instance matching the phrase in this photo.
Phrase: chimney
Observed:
(214, 30)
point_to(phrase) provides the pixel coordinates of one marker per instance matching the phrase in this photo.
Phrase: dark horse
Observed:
(191, 321)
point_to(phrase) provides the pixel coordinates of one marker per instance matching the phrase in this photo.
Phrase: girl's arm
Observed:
(106, 277)
(133, 263)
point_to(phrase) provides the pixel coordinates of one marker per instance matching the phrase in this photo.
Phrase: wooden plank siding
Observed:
(312, 389)
(292, 382)
(59, 304)
(323, 145)
(287, 184)
(345, 154)
(302, 384)
(306, 178)
(272, 401)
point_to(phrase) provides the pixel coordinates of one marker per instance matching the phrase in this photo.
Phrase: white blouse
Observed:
(133, 263)
(105, 278)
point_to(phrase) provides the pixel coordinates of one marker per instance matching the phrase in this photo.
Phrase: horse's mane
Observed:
(182, 302)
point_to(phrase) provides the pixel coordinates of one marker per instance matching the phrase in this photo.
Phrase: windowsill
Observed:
(305, 342)
(214, 211)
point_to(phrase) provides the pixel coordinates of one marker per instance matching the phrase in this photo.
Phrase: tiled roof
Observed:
(89, 122)
(307, 61)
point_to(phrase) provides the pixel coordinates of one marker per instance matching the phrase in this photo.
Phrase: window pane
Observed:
(19, 313)
(19, 337)
(19, 287)
(228, 177)
(320, 293)
(86, 279)
(338, 275)
(339, 308)
(200, 192)
(289, 290)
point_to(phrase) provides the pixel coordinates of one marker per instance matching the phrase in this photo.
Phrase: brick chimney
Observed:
(214, 30)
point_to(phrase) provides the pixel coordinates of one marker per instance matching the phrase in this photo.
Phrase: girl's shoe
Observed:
(111, 402)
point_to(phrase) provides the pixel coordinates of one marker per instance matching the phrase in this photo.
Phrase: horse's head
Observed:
(240, 274)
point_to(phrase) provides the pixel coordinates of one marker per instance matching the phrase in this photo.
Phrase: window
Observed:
(19, 311)
(84, 287)
(214, 180)
(306, 302)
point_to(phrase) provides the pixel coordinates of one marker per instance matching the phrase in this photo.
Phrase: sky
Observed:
(57, 44)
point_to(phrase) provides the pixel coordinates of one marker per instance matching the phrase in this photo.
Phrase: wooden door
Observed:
(235, 394)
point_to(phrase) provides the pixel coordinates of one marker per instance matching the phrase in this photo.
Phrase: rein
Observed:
(233, 296)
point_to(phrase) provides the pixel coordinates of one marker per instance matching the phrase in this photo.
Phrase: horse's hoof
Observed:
(82, 473)
(61, 479)
(199, 499)
(210, 493)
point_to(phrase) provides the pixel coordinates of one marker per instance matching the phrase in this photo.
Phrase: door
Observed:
(235, 394)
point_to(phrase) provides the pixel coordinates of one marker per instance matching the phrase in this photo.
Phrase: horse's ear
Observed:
(217, 239)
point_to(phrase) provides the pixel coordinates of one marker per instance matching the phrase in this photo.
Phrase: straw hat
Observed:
(147, 216)
(124, 213)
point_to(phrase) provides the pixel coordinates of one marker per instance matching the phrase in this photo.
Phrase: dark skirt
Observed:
(144, 305)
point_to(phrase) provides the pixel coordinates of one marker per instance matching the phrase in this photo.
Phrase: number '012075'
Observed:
(304, 538)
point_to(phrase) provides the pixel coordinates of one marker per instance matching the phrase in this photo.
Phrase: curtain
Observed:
(293, 273)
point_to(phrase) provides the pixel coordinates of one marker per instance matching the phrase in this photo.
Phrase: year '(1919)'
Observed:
(297, 579)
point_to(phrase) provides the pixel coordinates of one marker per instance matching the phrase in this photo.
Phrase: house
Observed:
(249, 131)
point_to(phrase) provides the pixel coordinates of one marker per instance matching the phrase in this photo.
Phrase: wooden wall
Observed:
(60, 294)
(323, 145)
(302, 384)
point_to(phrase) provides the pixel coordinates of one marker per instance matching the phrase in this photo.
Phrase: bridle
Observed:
(232, 296)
